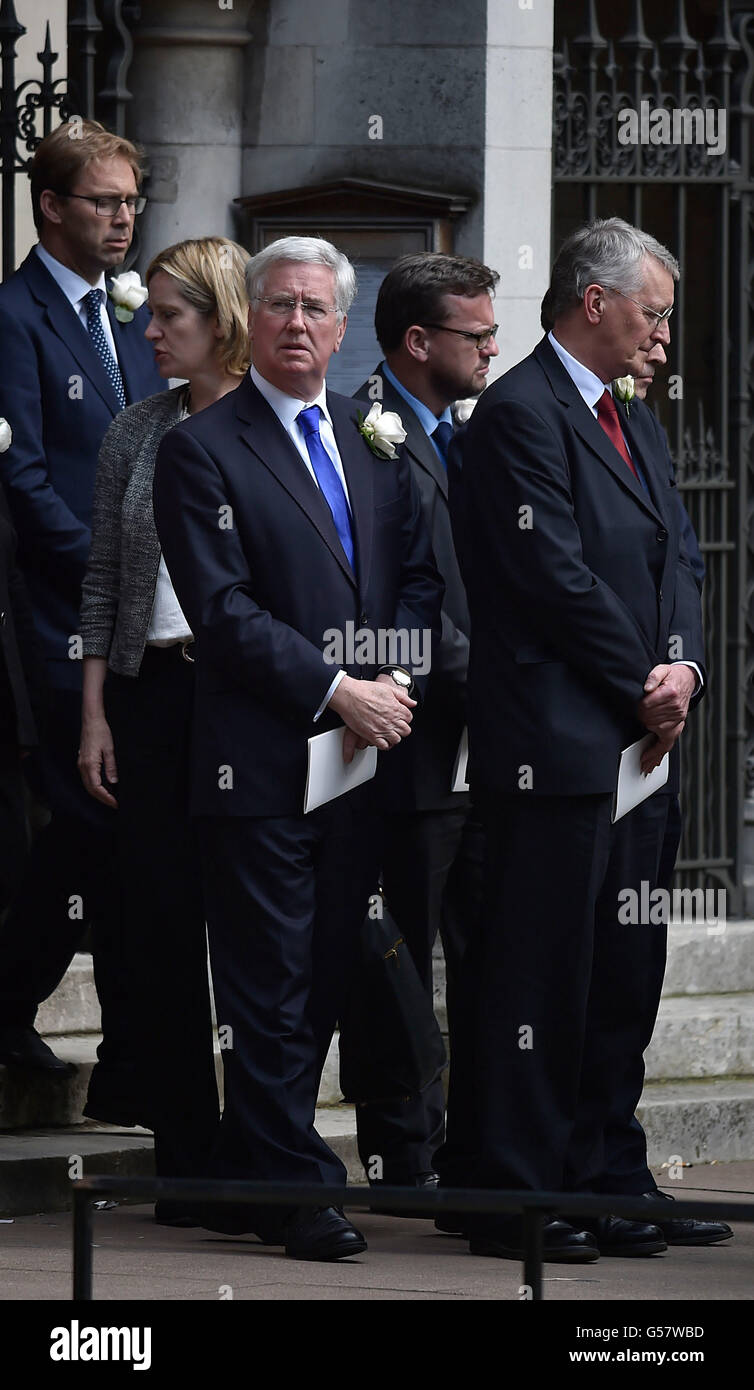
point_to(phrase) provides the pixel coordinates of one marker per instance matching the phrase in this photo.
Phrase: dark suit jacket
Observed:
(22, 677)
(424, 764)
(261, 595)
(576, 580)
(58, 400)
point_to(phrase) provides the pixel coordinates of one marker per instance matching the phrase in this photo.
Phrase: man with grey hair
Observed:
(279, 523)
(586, 635)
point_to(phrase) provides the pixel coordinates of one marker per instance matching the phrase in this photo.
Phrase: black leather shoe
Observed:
(21, 1046)
(323, 1234)
(561, 1244)
(425, 1182)
(615, 1236)
(688, 1231)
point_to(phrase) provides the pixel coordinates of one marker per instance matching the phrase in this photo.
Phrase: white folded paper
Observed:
(458, 780)
(327, 776)
(633, 787)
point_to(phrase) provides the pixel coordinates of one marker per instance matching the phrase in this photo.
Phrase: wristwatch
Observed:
(402, 678)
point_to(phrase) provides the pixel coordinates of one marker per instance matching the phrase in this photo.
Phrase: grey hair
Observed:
(607, 252)
(312, 250)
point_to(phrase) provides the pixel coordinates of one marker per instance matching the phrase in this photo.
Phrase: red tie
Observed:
(607, 415)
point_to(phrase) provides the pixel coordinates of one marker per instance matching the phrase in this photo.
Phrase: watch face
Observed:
(401, 678)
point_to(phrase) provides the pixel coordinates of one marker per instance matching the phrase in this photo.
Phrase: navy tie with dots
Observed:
(93, 301)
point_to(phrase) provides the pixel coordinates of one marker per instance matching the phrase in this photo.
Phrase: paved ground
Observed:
(136, 1260)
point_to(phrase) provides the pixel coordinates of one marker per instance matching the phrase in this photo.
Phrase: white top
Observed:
(287, 408)
(75, 288)
(167, 625)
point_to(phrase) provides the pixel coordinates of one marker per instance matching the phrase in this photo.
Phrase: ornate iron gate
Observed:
(99, 54)
(698, 198)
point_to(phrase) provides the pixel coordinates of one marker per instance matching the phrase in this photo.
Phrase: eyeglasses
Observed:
(481, 339)
(652, 314)
(107, 207)
(282, 307)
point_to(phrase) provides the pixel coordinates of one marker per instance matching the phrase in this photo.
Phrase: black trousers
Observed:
(559, 998)
(432, 876)
(14, 841)
(285, 898)
(68, 888)
(626, 1167)
(163, 950)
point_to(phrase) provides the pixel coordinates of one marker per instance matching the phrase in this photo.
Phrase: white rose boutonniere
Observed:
(623, 388)
(382, 430)
(6, 435)
(464, 409)
(128, 295)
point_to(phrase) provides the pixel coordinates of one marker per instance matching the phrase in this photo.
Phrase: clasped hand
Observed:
(664, 708)
(376, 713)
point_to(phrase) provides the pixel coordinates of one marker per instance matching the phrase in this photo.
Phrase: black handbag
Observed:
(391, 1046)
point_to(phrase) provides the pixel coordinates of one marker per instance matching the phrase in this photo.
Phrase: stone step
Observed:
(37, 1166)
(703, 1036)
(699, 1121)
(690, 1121)
(74, 1007)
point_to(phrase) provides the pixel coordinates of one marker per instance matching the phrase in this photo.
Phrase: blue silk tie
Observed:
(93, 302)
(442, 435)
(327, 476)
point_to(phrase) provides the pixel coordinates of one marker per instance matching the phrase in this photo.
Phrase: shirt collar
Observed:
(426, 417)
(589, 386)
(287, 407)
(74, 286)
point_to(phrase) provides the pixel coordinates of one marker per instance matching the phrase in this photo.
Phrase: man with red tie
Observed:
(586, 634)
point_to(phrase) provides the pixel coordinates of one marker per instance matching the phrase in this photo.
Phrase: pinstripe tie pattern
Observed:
(93, 301)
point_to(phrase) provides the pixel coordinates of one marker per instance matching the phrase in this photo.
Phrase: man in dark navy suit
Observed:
(281, 527)
(586, 634)
(67, 366)
(434, 321)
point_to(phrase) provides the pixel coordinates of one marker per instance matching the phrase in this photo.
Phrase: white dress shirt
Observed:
(75, 288)
(287, 408)
(591, 389)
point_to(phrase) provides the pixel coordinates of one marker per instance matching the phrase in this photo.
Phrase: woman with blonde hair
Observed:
(136, 715)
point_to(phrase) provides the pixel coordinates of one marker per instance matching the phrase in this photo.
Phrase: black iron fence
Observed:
(652, 122)
(533, 1206)
(99, 49)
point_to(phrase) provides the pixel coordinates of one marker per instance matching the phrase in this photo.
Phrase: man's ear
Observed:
(594, 304)
(416, 342)
(48, 202)
(340, 333)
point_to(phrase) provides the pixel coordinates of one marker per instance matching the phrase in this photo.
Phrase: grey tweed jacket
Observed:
(124, 558)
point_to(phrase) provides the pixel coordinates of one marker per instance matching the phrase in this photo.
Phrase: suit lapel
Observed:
(588, 427)
(636, 438)
(265, 436)
(66, 324)
(417, 443)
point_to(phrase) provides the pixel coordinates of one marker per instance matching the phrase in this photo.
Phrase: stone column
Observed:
(187, 83)
(518, 168)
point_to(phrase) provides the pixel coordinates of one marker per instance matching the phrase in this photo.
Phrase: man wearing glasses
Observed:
(67, 366)
(434, 320)
(325, 533)
(586, 634)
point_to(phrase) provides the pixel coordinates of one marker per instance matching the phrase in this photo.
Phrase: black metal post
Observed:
(83, 28)
(82, 1245)
(534, 1220)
